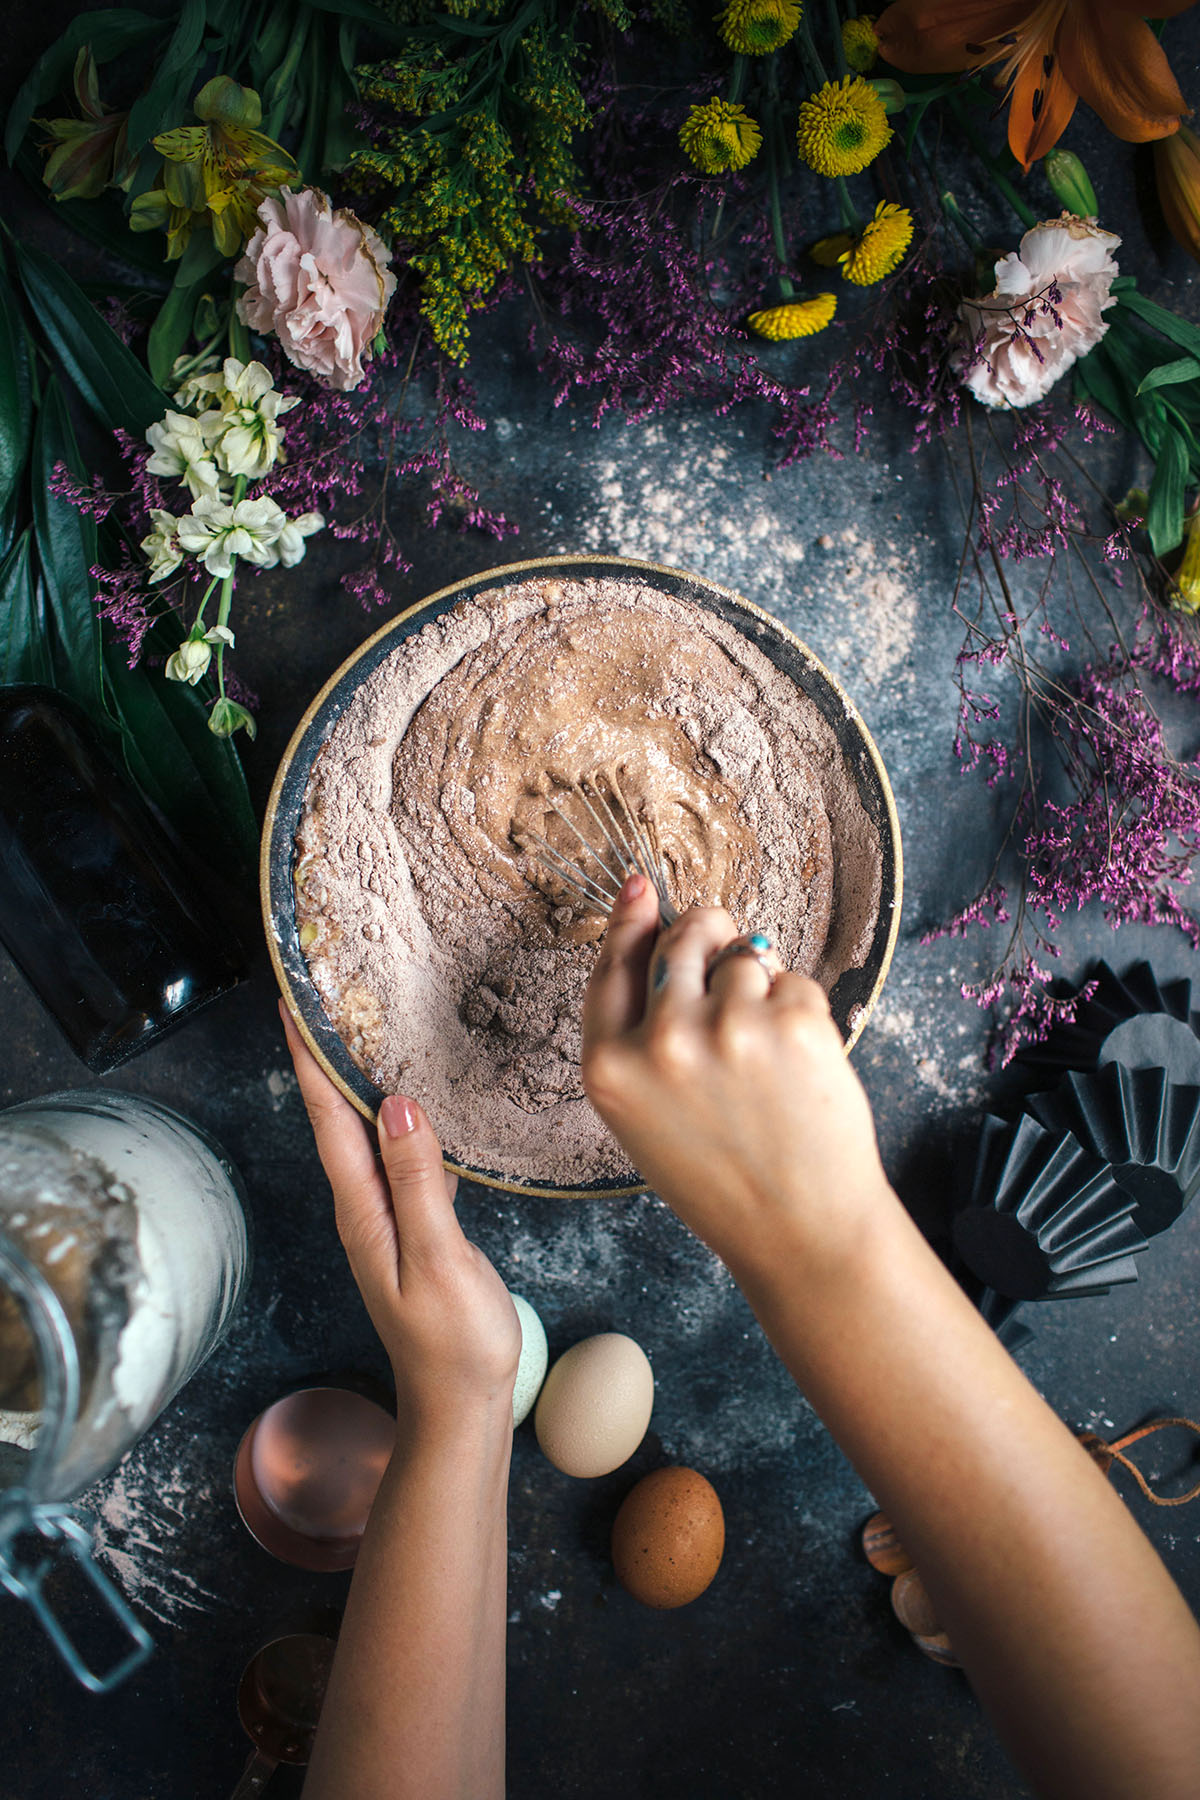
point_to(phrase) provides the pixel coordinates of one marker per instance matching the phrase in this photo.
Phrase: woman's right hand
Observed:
(734, 1098)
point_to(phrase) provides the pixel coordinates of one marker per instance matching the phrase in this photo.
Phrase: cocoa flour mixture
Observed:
(447, 971)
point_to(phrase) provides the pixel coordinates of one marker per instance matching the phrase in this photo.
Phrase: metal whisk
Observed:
(622, 842)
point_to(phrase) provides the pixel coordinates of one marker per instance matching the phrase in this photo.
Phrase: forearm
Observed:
(415, 1707)
(1064, 1617)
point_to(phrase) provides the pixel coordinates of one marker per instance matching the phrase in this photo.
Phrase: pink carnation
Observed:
(1045, 313)
(320, 281)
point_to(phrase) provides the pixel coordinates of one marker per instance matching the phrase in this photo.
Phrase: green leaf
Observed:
(24, 646)
(1164, 519)
(109, 33)
(1094, 378)
(109, 376)
(193, 777)
(175, 77)
(66, 546)
(1170, 324)
(102, 221)
(16, 412)
(172, 328)
(1168, 374)
(170, 332)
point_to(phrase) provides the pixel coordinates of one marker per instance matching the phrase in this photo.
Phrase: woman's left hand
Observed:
(442, 1312)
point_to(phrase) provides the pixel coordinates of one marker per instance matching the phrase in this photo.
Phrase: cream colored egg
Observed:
(535, 1354)
(595, 1405)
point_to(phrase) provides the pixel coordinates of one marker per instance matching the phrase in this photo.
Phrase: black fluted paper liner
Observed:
(1107, 1027)
(1144, 1125)
(1046, 1219)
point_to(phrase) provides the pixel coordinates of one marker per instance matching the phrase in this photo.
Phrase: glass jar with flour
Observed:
(123, 1254)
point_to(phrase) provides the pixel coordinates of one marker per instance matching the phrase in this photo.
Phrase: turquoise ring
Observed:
(751, 943)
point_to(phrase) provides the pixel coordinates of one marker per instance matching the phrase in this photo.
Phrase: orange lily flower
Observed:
(1051, 53)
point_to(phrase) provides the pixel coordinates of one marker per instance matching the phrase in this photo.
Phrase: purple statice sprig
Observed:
(1104, 814)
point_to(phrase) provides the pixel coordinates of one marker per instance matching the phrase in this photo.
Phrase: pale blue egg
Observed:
(535, 1355)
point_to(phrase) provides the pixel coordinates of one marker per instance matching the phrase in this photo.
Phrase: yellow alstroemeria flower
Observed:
(220, 171)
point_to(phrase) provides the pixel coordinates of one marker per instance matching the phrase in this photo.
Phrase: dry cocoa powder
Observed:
(448, 972)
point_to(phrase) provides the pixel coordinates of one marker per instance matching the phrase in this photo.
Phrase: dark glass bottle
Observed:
(97, 909)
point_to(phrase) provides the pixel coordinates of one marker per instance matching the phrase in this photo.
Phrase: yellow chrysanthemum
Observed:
(880, 248)
(719, 136)
(756, 27)
(795, 318)
(842, 128)
(859, 43)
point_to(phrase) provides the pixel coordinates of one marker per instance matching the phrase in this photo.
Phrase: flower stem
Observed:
(850, 218)
(737, 80)
(223, 610)
(204, 602)
(1003, 184)
(839, 52)
(239, 338)
(955, 215)
(774, 163)
(810, 49)
(223, 619)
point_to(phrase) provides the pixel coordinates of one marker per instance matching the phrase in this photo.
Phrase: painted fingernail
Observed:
(397, 1116)
(633, 885)
(758, 940)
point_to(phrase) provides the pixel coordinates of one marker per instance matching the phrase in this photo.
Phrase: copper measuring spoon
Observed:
(279, 1704)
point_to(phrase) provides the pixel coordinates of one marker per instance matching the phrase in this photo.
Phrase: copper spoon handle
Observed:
(255, 1776)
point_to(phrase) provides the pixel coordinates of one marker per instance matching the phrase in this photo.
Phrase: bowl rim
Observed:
(502, 574)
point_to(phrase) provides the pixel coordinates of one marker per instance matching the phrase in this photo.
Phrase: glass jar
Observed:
(123, 1254)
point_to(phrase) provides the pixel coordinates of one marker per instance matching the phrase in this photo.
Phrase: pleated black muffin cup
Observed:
(854, 994)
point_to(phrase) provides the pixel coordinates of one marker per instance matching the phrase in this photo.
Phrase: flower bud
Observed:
(1177, 173)
(1186, 596)
(227, 717)
(1069, 183)
(891, 93)
(190, 662)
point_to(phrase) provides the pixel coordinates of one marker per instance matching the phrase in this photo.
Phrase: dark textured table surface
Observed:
(790, 1675)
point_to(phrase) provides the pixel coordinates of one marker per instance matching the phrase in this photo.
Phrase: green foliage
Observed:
(479, 156)
(1136, 375)
(50, 632)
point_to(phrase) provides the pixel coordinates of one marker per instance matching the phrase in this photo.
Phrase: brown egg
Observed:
(882, 1548)
(668, 1538)
(913, 1607)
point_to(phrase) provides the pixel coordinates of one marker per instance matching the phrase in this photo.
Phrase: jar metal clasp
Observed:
(25, 1566)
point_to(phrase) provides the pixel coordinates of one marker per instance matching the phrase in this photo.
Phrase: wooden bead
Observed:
(882, 1548)
(913, 1607)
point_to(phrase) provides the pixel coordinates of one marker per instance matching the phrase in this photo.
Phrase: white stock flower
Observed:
(162, 545)
(217, 533)
(290, 544)
(241, 431)
(182, 452)
(1045, 313)
(190, 662)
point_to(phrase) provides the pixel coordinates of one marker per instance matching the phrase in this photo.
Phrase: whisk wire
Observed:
(629, 841)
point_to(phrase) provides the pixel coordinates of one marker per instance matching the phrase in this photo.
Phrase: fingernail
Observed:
(633, 885)
(397, 1116)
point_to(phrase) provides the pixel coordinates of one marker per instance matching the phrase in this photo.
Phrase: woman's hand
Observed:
(443, 1314)
(734, 1099)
